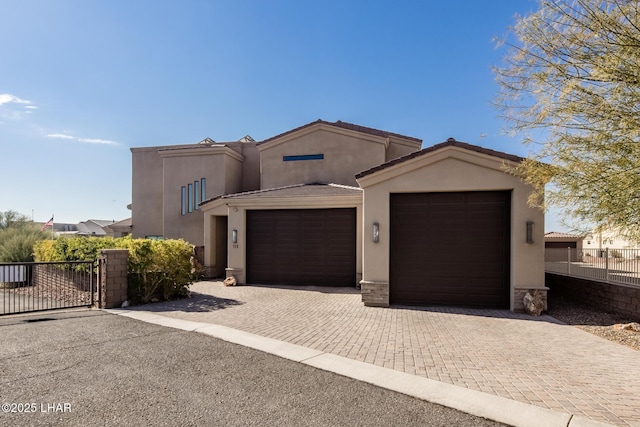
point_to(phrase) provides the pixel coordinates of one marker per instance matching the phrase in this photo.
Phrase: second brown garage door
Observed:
(450, 249)
(302, 247)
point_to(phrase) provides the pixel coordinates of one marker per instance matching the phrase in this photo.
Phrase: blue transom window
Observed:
(303, 157)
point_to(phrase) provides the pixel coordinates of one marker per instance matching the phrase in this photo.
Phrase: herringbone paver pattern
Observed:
(534, 360)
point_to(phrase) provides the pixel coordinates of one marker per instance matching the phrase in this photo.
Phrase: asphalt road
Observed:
(86, 368)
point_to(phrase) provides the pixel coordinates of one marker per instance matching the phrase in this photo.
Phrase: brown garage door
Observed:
(450, 249)
(560, 245)
(302, 247)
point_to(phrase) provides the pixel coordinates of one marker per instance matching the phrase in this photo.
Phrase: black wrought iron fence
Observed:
(36, 286)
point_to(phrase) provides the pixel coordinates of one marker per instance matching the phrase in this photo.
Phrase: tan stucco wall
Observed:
(146, 192)
(346, 153)
(222, 171)
(452, 169)
(250, 165)
(159, 172)
(236, 211)
(232, 176)
(398, 148)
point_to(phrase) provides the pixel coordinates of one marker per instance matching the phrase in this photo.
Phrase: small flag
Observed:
(48, 223)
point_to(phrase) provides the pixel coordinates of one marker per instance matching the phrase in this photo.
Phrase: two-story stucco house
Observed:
(337, 204)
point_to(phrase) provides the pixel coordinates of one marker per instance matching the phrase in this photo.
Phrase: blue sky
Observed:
(83, 81)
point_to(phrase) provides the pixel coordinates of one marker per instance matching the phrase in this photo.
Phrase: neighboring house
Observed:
(608, 238)
(557, 241)
(62, 228)
(120, 228)
(339, 204)
(91, 227)
(95, 227)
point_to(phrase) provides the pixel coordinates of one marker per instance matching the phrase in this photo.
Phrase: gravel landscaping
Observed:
(614, 327)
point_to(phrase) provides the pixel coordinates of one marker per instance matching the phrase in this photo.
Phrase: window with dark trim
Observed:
(303, 157)
(196, 188)
(192, 196)
(183, 201)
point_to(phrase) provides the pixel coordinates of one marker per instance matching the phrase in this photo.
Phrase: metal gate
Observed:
(36, 286)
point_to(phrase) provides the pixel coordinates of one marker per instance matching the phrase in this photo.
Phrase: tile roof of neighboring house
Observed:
(126, 221)
(123, 223)
(298, 190)
(559, 235)
(91, 227)
(102, 222)
(451, 142)
(345, 125)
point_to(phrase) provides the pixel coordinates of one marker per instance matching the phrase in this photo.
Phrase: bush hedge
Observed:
(16, 244)
(162, 269)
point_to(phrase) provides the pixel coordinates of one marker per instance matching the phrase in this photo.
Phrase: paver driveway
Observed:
(534, 360)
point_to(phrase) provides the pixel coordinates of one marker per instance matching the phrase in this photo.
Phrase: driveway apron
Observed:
(536, 360)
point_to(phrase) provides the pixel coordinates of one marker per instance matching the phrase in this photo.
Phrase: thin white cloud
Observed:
(97, 141)
(60, 136)
(12, 113)
(10, 107)
(7, 98)
(85, 140)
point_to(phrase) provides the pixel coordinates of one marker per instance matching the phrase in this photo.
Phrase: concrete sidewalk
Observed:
(516, 358)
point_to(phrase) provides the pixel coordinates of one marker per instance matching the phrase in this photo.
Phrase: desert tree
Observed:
(18, 234)
(13, 219)
(570, 86)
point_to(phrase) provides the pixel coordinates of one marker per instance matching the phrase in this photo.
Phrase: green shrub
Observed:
(16, 244)
(13, 219)
(160, 269)
(44, 251)
(76, 248)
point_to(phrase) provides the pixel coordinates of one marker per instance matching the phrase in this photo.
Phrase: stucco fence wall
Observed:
(605, 296)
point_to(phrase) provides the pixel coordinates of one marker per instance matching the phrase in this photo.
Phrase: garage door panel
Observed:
(560, 245)
(301, 247)
(488, 258)
(445, 199)
(447, 216)
(450, 249)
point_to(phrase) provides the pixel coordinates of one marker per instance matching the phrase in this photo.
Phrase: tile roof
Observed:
(298, 190)
(345, 125)
(101, 222)
(124, 223)
(560, 235)
(451, 142)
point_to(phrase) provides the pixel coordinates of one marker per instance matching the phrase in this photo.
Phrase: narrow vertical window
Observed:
(196, 188)
(203, 184)
(184, 200)
(190, 195)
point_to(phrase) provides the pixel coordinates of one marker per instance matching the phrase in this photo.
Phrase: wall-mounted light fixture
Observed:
(529, 231)
(376, 232)
(234, 236)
